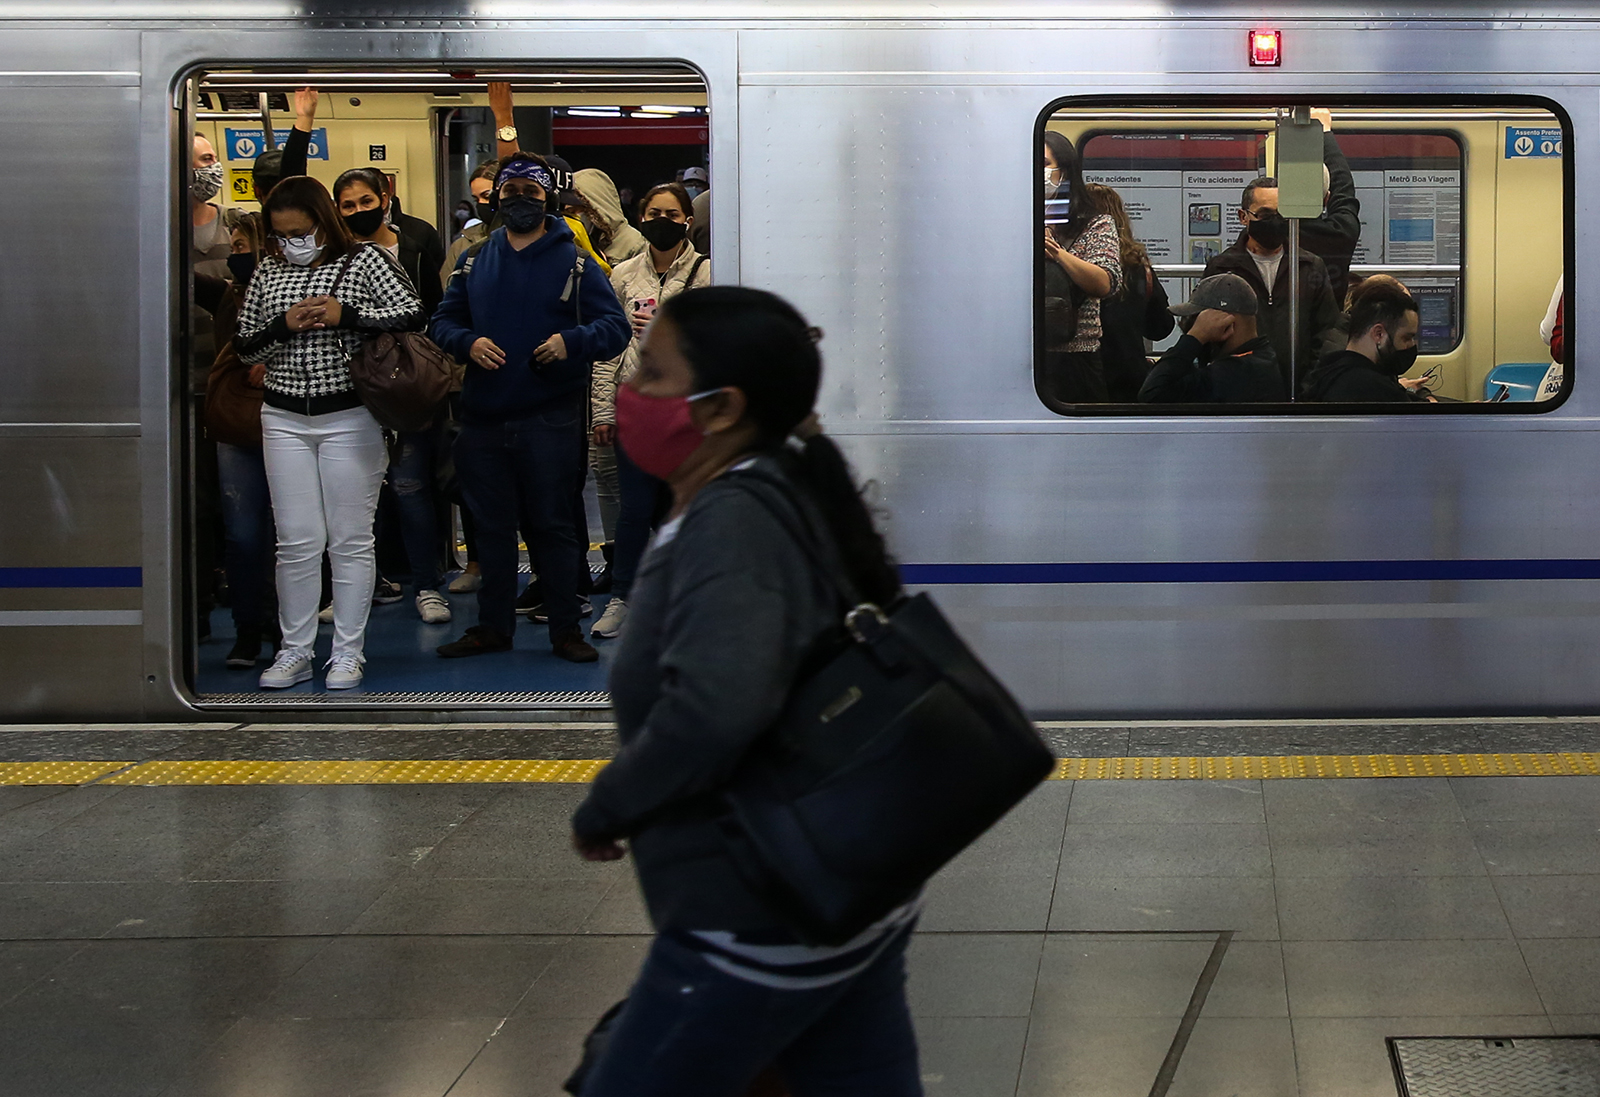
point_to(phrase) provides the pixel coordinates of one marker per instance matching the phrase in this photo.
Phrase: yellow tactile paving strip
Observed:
(56, 773)
(551, 771)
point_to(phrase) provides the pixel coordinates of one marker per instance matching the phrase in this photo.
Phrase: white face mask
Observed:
(302, 251)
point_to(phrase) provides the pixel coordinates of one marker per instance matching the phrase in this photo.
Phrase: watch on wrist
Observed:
(506, 133)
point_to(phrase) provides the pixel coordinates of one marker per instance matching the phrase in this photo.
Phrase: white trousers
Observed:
(324, 472)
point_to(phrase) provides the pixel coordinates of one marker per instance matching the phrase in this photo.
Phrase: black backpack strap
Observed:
(688, 283)
(573, 290)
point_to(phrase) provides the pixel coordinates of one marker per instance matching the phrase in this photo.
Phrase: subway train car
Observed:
(879, 164)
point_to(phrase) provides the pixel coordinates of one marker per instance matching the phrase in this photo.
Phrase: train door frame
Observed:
(171, 59)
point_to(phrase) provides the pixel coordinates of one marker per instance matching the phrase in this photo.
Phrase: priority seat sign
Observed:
(1532, 142)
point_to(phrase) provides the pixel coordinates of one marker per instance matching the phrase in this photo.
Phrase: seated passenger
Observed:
(1222, 358)
(529, 312)
(1257, 257)
(1382, 347)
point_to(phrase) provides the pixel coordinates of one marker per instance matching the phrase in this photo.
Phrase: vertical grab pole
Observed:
(1293, 259)
(268, 141)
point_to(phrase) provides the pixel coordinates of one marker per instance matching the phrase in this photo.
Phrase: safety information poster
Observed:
(1422, 217)
(1152, 201)
(1210, 202)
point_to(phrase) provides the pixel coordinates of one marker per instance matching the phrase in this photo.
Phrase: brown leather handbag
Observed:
(401, 376)
(233, 404)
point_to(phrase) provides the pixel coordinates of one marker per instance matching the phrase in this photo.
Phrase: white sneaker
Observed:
(432, 607)
(466, 582)
(325, 614)
(290, 668)
(344, 671)
(610, 623)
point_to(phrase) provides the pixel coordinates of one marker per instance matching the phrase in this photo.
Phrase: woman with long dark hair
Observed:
(1082, 265)
(1135, 313)
(725, 611)
(314, 295)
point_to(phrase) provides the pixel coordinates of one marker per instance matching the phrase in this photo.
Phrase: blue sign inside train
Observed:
(249, 144)
(1524, 142)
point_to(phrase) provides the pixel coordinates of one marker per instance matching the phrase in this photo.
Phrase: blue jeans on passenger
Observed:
(411, 475)
(690, 1030)
(525, 468)
(638, 493)
(249, 538)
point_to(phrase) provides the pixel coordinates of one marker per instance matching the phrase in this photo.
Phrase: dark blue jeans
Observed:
(525, 468)
(638, 494)
(689, 1030)
(411, 476)
(249, 538)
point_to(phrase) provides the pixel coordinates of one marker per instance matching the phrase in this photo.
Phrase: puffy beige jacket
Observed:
(637, 278)
(623, 241)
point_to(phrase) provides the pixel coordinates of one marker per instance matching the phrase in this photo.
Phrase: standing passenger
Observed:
(1334, 235)
(611, 233)
(1136, 313)
(1257, 257)
(643, 283)
(512, 312)
(246, 505)
(1081, 268)
(727, 608)
(325, 455)
(364, 203)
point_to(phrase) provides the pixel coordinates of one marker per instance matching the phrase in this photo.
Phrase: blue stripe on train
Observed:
(1242, 571)
(71, 577)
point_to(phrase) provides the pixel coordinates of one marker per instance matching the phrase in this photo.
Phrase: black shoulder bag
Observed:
(890, 757)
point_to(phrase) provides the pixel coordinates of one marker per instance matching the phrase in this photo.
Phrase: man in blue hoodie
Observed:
(529, 315)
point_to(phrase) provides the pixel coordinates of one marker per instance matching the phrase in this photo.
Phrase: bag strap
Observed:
(797, 523)
(574, 287)
(688, 283)
(344, 269)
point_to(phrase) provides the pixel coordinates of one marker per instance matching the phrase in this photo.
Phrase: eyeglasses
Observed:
(309, 240)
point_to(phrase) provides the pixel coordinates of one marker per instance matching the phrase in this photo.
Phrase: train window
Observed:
(1423, 234)
(421, 140)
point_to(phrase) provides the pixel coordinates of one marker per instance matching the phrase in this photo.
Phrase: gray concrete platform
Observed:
(441, 939)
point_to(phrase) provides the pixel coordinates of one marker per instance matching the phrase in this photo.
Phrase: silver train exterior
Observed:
(876, 163)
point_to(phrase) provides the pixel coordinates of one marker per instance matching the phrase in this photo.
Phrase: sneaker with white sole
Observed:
(432, 607)
(610, 623)
(344, 671)
(290, 668)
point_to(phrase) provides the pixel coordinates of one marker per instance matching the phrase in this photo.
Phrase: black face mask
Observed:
(242, 264)
(365, 222)
(664, 235)
(522, 213)
(1395, 361)
(1270, 231)
(482, 212)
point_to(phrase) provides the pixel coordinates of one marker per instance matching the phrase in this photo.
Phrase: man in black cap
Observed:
(1221, 358)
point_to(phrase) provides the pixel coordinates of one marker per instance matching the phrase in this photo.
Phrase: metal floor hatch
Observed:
(1476, 1066)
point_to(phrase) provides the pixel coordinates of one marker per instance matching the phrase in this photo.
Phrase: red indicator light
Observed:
(1266, 48)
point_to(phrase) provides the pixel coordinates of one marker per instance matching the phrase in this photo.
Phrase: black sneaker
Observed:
(531, 595)
(479, 640)
(575, 649)
(386, 593)
(538, 614)
(246, 650)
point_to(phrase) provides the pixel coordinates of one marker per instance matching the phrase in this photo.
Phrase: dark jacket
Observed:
(1349, 377)
(1126, 322)
(1188, 374)
(719, 622)
(514, 298)
(1334, 235)
(422, 255)
(1319, 314)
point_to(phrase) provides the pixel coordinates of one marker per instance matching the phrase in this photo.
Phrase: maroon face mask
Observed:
(657, 432)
